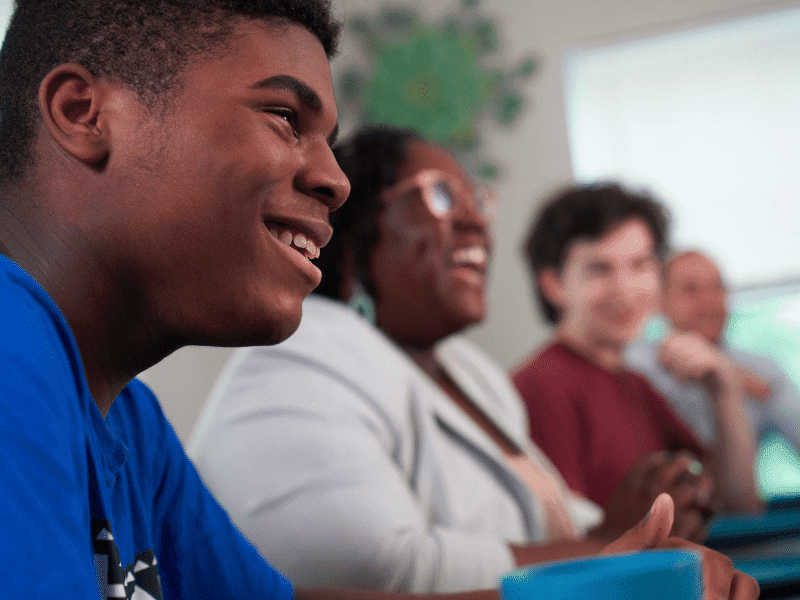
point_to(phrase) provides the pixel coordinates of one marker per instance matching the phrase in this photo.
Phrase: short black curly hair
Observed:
(144, 44)
(587, 212)
(370, 159)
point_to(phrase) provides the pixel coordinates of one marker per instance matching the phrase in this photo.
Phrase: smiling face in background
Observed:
(607, 287)
(695, 297)
(209, 192)
(429, 272)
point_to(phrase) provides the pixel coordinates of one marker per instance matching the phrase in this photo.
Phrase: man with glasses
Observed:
(695, 303)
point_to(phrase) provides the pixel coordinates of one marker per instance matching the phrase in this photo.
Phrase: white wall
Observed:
(535, 154)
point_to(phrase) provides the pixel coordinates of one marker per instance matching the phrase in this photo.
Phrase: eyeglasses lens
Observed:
(441, 199)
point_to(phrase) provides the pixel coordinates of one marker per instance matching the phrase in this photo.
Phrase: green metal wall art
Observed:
(435, 78)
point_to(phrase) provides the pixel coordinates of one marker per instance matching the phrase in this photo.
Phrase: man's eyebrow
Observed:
(598, 263)
(286, 82)
(304, 92)
(334, 135)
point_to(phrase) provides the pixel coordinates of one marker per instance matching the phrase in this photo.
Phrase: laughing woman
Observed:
(376, 448)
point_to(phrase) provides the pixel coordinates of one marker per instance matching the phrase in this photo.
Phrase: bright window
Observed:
(709, 121)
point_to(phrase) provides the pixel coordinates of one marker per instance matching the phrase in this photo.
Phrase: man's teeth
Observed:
(475, 256)
(306, 246)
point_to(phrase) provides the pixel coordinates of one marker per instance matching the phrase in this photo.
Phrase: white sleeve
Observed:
(307, 466)
(586, 515)
(783, 406)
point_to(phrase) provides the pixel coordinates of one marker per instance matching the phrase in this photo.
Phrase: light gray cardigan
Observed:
(346, 466)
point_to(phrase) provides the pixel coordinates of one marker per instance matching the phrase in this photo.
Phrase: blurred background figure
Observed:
(695, 303)
(376, 448)
(595, 256)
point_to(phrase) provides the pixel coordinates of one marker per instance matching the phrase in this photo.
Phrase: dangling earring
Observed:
(362, 303)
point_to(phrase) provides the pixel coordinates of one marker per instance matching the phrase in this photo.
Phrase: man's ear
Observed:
(549, 283)
(69, 101)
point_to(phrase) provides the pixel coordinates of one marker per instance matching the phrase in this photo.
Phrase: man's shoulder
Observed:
(762, 363)
(552, 361)
(23, 302)
(641, 355)
(35, 339)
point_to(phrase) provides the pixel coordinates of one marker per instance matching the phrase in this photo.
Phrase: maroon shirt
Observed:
(592, 423)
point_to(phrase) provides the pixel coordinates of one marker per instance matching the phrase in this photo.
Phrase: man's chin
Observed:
(282, 333)
(712, 331)
(273, 329)
(280, 330)
(621, 338)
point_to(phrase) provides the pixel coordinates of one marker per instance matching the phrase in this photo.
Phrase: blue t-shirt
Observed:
(95, 507)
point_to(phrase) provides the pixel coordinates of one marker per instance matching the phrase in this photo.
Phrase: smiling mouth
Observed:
(475, 257)
(293, 238)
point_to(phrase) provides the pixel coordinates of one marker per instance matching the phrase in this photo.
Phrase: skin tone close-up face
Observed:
(695, 297)
(193, 223)
(606, 290)
(245, 166)
(429, 272)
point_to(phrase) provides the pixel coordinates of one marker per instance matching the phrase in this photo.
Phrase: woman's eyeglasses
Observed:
(444, 194)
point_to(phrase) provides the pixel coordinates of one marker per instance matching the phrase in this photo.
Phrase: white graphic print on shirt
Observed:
(137, 581)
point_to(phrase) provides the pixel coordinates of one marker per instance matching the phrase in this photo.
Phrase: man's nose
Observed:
(323, 179)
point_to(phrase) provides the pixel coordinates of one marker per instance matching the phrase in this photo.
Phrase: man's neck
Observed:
(114, 343)
(605, 355)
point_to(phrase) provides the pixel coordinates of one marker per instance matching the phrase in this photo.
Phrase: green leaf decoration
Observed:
(351, 84)
(450, 26)
(399, 19)
(360, 25)
(428, 83)
(525, 68)
(464, 141)
(497, 81)
(486, 36)
(488, 171)
(509, 108)
(434, 78)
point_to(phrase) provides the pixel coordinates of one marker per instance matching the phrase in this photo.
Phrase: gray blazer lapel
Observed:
(459, 427)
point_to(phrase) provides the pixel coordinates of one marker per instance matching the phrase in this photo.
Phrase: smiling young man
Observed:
(166, 175)
(695, 302)
(595, 254)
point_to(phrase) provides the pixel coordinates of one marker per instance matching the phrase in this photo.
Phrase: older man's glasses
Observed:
(444, 194)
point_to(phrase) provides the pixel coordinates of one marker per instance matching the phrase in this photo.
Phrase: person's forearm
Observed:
(734, 455)
(350, 594)
(523, 555)
(530, 554)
